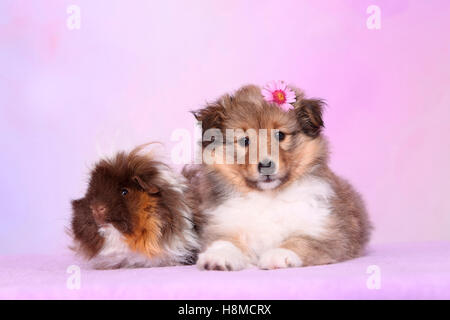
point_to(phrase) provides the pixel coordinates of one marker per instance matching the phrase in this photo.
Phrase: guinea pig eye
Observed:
(244, 141)
(280, 135)
(124, 191)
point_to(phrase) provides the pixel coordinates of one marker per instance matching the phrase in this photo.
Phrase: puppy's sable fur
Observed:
(134, 214)
(299, 214)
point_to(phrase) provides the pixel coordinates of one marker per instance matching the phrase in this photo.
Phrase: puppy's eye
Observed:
(280, 136)
(244, 141)
(124, 191)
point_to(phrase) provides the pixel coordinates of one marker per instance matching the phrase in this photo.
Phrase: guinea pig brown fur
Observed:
(134, 214)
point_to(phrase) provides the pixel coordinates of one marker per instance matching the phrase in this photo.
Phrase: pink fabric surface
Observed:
(407, 271)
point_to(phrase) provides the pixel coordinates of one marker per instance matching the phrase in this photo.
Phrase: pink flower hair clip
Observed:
(279, 93)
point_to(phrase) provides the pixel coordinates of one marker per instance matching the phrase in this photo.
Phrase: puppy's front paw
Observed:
(222, 255)
(279, 258)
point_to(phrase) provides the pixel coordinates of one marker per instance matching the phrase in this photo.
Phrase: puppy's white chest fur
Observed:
(262, 221)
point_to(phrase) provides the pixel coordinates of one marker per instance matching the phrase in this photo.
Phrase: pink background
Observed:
(135, 68)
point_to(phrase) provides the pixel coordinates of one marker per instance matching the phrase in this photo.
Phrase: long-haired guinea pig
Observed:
(134, 214)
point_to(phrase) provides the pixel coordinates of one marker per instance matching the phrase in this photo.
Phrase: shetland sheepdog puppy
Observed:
(274, 212)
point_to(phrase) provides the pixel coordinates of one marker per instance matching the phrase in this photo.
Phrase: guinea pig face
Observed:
(122, 193)
(117, 197)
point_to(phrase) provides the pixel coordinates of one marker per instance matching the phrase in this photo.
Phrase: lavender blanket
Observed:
(401, 271)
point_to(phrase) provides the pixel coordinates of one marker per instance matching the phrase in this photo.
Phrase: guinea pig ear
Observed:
(309, 115)
(213, 115)
(146, 186)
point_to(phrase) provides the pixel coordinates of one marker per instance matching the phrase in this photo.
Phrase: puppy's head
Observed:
(255, 145)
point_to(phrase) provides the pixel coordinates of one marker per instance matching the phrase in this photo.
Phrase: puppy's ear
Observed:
(213, 115)
(309, 115)
(145, 185)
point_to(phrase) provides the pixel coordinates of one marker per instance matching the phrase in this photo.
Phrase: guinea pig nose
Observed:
(99, 212)
(266, 167)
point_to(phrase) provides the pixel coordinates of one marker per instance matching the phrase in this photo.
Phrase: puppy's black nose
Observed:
(266, 167)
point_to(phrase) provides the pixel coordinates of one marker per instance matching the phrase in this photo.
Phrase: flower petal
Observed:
(290, 94)
(267, 95)
(290, 97)
(290, 100)
(288, 106)
(279, 85)
(272, 86)
(265, 91)
(288, 89)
